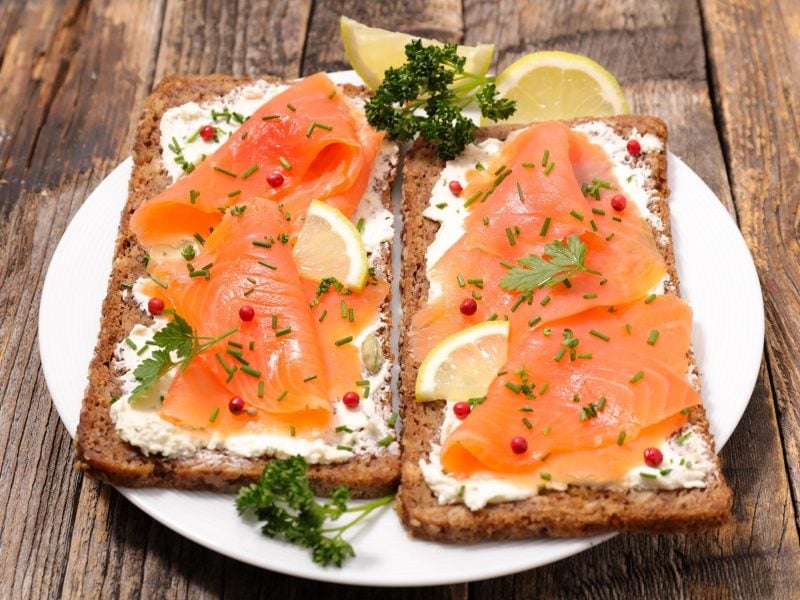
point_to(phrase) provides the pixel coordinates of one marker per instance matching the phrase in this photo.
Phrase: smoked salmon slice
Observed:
(308, 134)
(525, 210)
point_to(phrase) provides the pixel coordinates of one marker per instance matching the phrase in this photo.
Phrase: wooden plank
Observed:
(61, 131)
(439, 19)
(754, 56)
(234, 38)
(631, 39)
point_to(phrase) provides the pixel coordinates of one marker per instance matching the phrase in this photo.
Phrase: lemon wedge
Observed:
(559, 85)
(329, 245)
(371, 51)
(463, 365)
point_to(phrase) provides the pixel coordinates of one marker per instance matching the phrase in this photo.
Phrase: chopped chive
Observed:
(628, 327)
(646, 475)
(471, 199)
(460, 280)
(343, 428)
(528, 165)
(549, 168)
(545, 301)
(332, 94)
(501, 373)
(362, 382)
(158, 282)
(506, 264)
(534, 320)
(322, 316)
(214, 414)
(260, 389)
(244, 134)
(653, 337)
(590, 296)
(621, 438)
(519, 193)
(567, 283)
(235, 344)
(292, 430)
(610, 236)
(594, 225)
(545, 157)
(193, 194)
(603, 281)
(274, 321)
(282, 395)
(266, 264)
(513, 387)
(225, 172)
(283, 331)
(543, 389)
(637, 377)
(385, 441)
(682, 438)
(286, 164)
(576, 214)
(130, 344)
(351, 315)
(441, 205)
(365, 393)
(234, 193)
(519, 301)
(360, 225)
(309, 378)
(249, 291)
(250, 371)
(291, 107)
(526, 421)
(602, 403)
(249, 171)
(500, 169)
(344, 309)
(344, 340)
(598, 211)
(600, 335)
(252, 345)
(345, 448)
(492, 317)
(126, 286)
(617, 219)
(527, 408)
(510, 236)
(585, 355)
(476, 282)
(392, 419)
(261, 244)
(547, 331)
(650, 298)
(200, 273)
(560, 354)
(237, 355)
(545, 227)
(251, 280)
(545, 476)
(270, 117)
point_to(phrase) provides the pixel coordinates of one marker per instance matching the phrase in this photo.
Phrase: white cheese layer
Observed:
(364, 427)
(687, 464)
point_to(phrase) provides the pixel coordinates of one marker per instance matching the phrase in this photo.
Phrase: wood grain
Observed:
(74, 74)
(760, 116)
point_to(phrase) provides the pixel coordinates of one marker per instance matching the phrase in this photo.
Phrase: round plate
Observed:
(717, 277)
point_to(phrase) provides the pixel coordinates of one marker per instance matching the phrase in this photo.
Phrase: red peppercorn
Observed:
(618, 202)
(246, 313)
(518, 444)
(207, 132)
(653, 457)
(351, 399)
(634, 148)
(461, 410)
(455, 187)
(275, 180)
(468, 307)
(236, 405)
(155, 306)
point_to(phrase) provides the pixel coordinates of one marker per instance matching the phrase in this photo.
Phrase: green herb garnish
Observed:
(433, 79)
(536, 271)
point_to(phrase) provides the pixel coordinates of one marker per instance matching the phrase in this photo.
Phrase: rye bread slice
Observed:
(100, 450)
(578, 510)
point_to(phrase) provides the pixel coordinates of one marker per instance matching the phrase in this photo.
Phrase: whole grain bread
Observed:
(100, 450)
(578, 510)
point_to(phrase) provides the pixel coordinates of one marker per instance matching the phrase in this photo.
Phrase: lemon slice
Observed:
(463, 365)
(329, 245)
(560, 85)
(371, 51)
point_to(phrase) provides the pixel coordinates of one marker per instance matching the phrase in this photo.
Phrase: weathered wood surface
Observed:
(73, 76)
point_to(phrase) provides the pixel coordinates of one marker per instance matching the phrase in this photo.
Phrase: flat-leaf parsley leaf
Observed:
(557, 264)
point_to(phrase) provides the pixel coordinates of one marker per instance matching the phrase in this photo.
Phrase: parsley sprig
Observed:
(178, 337)
(284, 501)
(537, 271)
(427, 94)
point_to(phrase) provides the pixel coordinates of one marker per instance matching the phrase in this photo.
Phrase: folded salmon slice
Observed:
(321, 146)
(630, 382)
(529, 208)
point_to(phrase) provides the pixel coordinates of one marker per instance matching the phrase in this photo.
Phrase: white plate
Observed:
(717, 276)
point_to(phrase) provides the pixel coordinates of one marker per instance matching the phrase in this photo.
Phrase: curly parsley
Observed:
(427, 94)
(284, 501)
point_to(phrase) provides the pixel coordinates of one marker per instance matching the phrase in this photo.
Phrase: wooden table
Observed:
(73, 75)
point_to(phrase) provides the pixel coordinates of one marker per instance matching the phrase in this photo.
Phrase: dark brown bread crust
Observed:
(100, 451)
(576, 511)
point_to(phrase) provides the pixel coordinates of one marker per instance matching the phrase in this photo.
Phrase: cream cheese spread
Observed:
(687, 458)
(363, 429)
